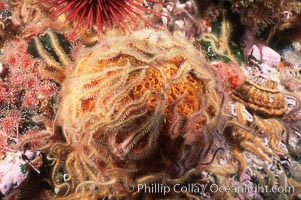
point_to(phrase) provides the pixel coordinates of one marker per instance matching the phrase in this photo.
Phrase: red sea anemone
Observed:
(102, 13)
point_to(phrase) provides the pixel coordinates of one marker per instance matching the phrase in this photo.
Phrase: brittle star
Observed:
(220, 45)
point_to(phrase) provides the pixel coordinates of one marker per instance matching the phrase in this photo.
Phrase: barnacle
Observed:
(264, 13)
(262, 96)
(280, 19)
(292, 126)
(240, 136)
(115, 106)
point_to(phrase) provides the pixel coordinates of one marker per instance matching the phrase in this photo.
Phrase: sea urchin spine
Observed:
(102, 13)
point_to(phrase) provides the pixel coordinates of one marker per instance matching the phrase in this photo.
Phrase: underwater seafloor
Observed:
(152, 99)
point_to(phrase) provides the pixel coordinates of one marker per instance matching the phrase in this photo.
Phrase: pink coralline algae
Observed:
(13, 172)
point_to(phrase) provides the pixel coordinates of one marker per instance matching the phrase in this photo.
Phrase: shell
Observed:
(262, 96)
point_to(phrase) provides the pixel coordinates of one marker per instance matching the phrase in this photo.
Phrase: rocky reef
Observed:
(130, 99)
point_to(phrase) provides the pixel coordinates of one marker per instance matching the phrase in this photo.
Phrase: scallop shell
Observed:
(262, 96)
